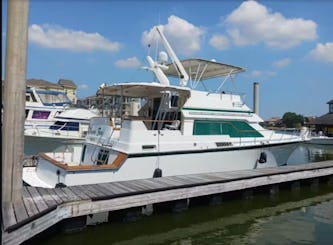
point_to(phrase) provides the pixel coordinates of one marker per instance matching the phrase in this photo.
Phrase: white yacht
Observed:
(178, 130)
(68, 128)
(51, 123)
(41, 106)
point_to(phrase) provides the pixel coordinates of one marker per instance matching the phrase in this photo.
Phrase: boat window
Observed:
(71, 126)
(231, 128)
(57, 125)
(40, 114)
(53, 97)
(29, 96)
(26, 113)
(174, 101)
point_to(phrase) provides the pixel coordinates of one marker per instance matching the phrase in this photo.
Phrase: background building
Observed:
(324, 123)
(63, 85)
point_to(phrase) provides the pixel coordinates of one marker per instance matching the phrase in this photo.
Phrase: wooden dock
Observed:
(42, 208)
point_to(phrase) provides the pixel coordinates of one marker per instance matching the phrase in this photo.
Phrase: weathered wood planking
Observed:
(22, 222)
(38, 199)
(8, 215)
(29, 203)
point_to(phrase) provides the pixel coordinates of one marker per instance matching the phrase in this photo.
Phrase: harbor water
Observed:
(291, 217)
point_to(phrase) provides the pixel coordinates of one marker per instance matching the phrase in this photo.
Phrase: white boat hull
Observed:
(144, 166)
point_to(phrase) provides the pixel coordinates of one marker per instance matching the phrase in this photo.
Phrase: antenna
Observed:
(183, 74)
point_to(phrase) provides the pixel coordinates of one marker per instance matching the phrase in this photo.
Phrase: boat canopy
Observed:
(201, 69)
(141, 90)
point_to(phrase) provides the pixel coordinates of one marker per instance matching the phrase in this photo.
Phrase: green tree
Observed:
(292, 120)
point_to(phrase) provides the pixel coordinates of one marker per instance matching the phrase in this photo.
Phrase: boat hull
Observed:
(143, 166)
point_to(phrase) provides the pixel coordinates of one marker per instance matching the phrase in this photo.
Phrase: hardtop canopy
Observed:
(141, 90)
(201, 69)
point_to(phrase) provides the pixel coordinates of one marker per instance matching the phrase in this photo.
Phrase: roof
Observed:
(326, 119)
(200, 69)
(67, 83)
(140, 90)
(330, 102)
(40, 83)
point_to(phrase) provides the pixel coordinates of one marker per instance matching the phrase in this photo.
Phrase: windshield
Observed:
(53, 97)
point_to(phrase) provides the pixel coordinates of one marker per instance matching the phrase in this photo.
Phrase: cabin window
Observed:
(40, 114)
(231, 128)
(26, 113)
(71, 126)
(29, 96)
(66, 126)
(174, 101)
(57, 125)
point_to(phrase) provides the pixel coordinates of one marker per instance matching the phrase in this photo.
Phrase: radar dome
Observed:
(163, 58)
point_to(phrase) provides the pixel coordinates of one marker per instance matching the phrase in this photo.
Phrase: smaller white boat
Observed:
(69, 128)
(41, 106)
(51, 124)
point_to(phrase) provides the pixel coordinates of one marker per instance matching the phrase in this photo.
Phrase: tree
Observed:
(292, 120)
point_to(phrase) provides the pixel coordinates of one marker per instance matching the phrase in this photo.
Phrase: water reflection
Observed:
(305, 153)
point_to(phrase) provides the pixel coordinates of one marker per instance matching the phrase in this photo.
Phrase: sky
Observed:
(286, 46)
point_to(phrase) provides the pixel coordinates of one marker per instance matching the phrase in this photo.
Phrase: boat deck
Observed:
(41, 208)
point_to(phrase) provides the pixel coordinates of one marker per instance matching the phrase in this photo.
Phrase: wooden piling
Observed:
(14, 100)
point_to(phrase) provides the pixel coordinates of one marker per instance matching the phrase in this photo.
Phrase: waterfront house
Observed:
(324, 123)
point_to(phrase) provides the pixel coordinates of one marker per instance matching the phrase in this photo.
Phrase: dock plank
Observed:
(94, 189)
(79, 192)
(71, 195)
(125, 186)
(61, 194)
(110, 189)
(54, 195)
(8, 215)
(29, 203)
(38, 199)
(20, 211)
(84, 190)
(157, 185)
(48, 198)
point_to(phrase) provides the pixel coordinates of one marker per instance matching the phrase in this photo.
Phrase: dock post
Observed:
(14, 99)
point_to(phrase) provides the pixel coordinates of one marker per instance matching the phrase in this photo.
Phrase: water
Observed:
(304, 217)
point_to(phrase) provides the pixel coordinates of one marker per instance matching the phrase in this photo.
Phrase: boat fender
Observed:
(157, 173)
(60, 185)
(263, 157)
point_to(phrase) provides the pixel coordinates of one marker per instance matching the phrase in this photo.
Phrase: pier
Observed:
(41, 208)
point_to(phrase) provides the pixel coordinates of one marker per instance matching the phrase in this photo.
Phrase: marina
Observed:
(185, 141)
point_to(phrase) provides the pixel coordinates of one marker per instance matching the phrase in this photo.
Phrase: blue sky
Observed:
(286, 46)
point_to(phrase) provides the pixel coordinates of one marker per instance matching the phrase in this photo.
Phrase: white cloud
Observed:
(323, 52)
(128, 63)
(83, 86)
(184, 37)
(262, 74)
(281, 63)
(219, 41)
(57, 37)
(252, 22)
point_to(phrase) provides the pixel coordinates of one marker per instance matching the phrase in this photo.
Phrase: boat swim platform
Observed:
(41, 208)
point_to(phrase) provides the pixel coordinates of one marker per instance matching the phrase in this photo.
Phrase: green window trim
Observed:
(234, 129)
